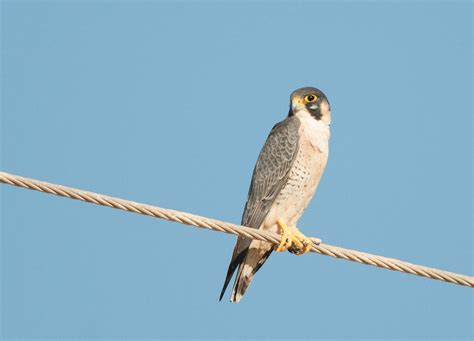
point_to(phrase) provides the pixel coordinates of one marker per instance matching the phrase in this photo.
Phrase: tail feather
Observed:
(242, 282)
(254, 259)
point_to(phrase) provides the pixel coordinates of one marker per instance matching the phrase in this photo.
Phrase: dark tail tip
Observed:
(230, 272)
(234, 263)
(222, 293)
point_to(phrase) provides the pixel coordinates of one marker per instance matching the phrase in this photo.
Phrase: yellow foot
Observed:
(301, 244)
(293, 240)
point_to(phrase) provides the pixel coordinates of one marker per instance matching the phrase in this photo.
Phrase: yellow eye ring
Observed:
(310, 98)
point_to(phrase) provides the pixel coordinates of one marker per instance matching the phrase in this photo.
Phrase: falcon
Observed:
(285, 177)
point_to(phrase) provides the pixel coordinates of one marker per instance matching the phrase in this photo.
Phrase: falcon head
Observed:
(310, 101)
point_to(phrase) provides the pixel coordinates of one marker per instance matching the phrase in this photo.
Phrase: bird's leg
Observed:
(286, 236)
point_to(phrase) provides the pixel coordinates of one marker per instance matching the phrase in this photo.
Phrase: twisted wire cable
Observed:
(216, 225)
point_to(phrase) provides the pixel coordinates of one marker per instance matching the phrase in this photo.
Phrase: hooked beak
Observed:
(297, 104)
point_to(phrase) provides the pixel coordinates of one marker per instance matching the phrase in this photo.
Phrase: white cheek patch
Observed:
(325, 108)
(326, 112)
(313, 107)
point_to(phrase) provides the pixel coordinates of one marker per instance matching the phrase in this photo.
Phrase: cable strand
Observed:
(216, 225)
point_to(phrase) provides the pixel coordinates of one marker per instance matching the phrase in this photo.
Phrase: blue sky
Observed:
(169, 103)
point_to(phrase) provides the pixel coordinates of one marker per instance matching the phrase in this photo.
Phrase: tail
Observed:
(249, 263)
(240, 251)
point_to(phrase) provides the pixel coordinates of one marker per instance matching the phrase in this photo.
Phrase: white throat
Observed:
(317, 132)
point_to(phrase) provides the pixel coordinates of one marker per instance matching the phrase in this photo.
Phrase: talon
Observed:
(307, 247)
(301, 243)
(296, 243)
(305, 242)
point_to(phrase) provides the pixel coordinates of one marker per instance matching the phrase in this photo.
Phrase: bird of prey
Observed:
(285, 177)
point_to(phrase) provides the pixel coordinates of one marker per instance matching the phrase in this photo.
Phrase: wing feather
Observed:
(271, 171)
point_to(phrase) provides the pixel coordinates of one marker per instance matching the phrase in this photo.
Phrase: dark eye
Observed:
(310, 98)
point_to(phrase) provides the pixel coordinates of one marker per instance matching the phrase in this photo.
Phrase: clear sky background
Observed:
(169, 103)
